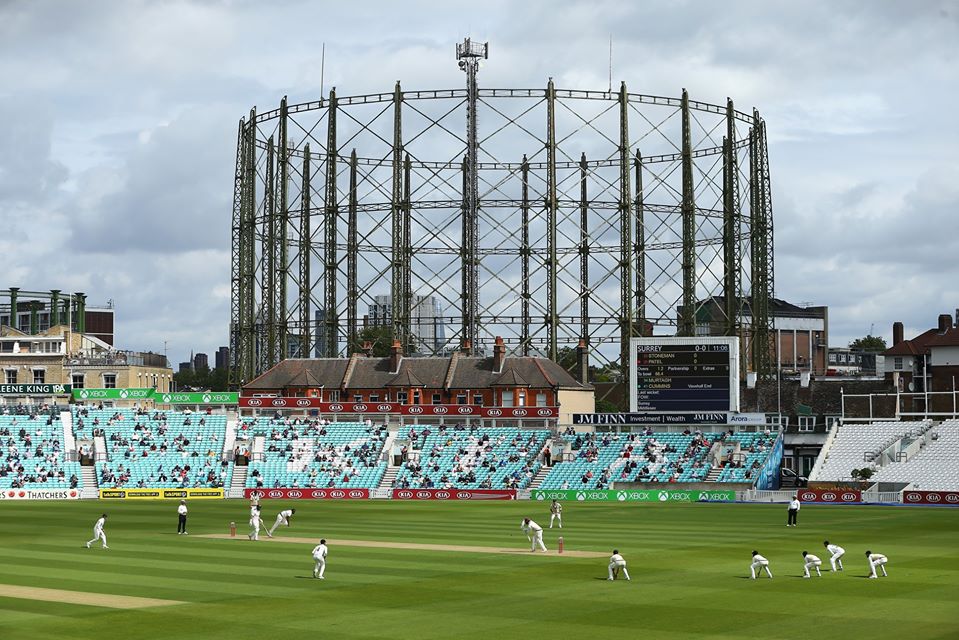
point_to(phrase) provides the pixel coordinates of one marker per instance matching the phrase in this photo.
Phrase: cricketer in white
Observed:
(98, 533)
(319, 557)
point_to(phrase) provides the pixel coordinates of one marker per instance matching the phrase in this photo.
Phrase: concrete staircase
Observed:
(713, 474)
(384, 490)
(90, 487)
(539, 477)
(238, 483)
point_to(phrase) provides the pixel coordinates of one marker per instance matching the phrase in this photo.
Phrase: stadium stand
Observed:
(857, 445)
(936, 465)
(316, 453)
(32, 455)
(602, 459)
(157, 449)
(471, 458)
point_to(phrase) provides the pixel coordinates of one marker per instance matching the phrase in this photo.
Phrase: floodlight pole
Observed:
(469, 54)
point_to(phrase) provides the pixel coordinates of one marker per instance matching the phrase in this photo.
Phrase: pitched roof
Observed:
(405, 378)
(915, 347)
(950, 338)
(509, 378)
(428, 373)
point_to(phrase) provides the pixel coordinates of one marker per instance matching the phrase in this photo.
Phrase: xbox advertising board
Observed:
(633, 495)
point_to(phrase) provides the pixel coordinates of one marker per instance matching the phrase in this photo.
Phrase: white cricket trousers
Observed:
(537, 539)
(279, 520)
(760, 566)
(255, 529)
(99, 535)
(622, 567)
(837, 559)
(878, 563)
(320, 567)
(555, 516)
(812, 564)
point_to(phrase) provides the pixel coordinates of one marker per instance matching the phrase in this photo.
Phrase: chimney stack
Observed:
(945, 322)
(896, 333)
(368, 348)
(499, 354)
(467, 348)
(582, 358)
(396, 356)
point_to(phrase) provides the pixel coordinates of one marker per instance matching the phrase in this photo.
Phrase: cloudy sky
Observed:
(119, 129)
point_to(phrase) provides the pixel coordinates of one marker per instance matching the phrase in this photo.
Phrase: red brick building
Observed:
(461, 379)
(927, 363)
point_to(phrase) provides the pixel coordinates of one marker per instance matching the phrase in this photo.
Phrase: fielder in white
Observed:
(555, 513)
(836, 553)
(98, 533)
(283, 518)
(535, 533)
(876, 560)
(759, 562)
(811, 561)
(255, 522)
(319, 557)
(617, 563)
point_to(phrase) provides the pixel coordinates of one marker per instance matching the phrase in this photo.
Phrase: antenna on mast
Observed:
(322, 67)
(610, 63)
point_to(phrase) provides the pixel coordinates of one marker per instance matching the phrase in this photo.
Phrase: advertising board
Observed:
(307, 494)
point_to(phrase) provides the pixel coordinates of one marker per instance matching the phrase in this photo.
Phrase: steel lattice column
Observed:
(236, 256)
(687, 320)
(248, 364)
(332, 215)
(731, 285)
(352, 255)
(627, 328)
(407, 294)
(761, 266)
(399, 329)
(268, 253)
(552, 208)
(583, 251)
(306, 337)
(640, 246)
(282, 235)
(524, 252)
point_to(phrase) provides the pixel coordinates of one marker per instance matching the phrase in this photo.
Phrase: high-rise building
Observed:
(201, 361)
(426, 321)
(185, 366)
(222, 358)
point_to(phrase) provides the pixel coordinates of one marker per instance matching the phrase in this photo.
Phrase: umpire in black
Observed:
(181, 514)
(793, 512)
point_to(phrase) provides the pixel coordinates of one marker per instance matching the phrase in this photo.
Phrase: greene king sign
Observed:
(34, 389)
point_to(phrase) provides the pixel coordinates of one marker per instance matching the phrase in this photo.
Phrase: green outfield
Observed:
(689, 564)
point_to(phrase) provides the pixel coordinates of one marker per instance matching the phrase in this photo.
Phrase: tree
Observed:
(869, 343)
(861, 475)
(381, 337)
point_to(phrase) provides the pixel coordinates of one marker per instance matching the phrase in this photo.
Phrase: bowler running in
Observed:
(877, 560)
(835, 554)
(811, 561)
(617, 564)
(283, 518)
(319, 557)
(535, 533)
(759, 562)
(98, 533)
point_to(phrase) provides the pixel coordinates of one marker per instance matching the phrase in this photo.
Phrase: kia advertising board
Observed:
(848, 496)
(634, 495)
(931, 497)
(307, 494)
(454, 494)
